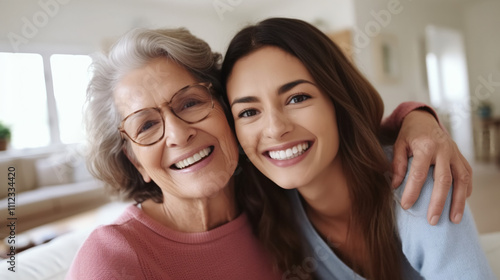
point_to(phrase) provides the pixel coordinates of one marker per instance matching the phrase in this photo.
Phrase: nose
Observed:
(177, 132)
(278, 124)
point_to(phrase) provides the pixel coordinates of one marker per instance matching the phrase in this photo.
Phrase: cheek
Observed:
(249, 140)
(229, 146)
(151, 158)
(323, 119)
(328, 132)
(225, 136)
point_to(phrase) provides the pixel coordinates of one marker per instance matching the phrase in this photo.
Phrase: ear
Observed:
(131, 157)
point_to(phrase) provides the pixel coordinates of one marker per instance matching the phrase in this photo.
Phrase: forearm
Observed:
(390, 126)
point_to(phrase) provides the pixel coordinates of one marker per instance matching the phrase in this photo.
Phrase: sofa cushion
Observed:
(48, 204)
(26, 169)
(26, 173)
(54, 170)
(80, 171)
(36, 202)
(4, 170)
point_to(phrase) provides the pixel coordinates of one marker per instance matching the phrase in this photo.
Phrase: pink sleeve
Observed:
(395, 120)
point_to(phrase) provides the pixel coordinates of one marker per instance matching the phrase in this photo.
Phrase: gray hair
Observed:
(106, 159)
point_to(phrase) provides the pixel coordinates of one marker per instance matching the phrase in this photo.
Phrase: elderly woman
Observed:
(174, 154)
(158, 135)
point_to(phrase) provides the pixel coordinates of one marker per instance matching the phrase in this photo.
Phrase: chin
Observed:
(287, 184)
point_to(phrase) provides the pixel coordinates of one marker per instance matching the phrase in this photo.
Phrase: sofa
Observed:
(47, 185)
(51, 260)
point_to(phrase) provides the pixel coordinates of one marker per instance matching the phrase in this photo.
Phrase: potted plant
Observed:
(4, 136)
(484, 110)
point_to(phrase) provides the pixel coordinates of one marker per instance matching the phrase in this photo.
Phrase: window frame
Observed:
(52, 112)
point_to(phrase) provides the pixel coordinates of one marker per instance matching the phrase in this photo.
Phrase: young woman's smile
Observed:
(288, 154)
(284, 123)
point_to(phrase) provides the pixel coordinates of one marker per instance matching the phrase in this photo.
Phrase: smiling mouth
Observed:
(289, 153)
(193, 159)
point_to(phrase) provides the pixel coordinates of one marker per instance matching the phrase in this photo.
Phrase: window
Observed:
(41, 101)
(23, 99)
(70, 75)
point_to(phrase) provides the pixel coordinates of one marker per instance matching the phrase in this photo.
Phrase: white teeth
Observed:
(193, 159)
(282, 154)
(197, 157)
(290, 153)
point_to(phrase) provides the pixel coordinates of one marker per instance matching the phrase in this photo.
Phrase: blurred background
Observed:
(445, 53)
(441, 52)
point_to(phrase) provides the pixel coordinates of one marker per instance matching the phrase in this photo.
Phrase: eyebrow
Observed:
(282, 89)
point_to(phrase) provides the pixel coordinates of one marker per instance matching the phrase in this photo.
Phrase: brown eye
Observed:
(247, 113)
(298, 98)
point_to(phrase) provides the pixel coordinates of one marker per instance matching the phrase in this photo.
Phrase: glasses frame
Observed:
(208, 86)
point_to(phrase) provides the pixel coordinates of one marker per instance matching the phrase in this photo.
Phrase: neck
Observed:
(195, 215)
(327, 203)
(328, 206)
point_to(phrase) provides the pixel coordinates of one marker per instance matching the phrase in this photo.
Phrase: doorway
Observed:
(449, 84)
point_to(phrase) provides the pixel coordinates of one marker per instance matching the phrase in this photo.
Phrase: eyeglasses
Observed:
(192, 104)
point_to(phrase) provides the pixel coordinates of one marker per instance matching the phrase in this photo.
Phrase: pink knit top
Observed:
(137, 247)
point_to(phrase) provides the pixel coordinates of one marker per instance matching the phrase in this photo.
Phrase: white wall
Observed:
(482, 28)
(479, 22)
(83, 26)
(407, 23)
(87, 25)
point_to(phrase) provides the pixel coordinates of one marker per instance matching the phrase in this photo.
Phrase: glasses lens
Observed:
(145, 127)
(192, 104)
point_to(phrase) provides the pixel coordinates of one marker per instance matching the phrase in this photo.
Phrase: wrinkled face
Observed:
(191, 160)
(284, 123)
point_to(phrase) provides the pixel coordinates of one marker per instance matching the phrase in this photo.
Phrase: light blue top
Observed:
(443, 251)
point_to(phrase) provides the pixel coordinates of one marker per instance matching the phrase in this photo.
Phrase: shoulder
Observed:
(428, 248)
(106, 241)
(104, 255)
(106, 251)
(421, 205)
(115, 235)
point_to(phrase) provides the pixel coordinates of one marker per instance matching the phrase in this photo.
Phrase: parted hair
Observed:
(106, 158)
(359, 109)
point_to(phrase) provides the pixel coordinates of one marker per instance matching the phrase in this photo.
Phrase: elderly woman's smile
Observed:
(197, 157)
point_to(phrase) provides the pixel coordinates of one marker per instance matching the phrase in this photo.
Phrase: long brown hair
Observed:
(359, 109)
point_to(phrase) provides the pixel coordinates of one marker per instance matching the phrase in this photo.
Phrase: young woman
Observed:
(310, 122)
